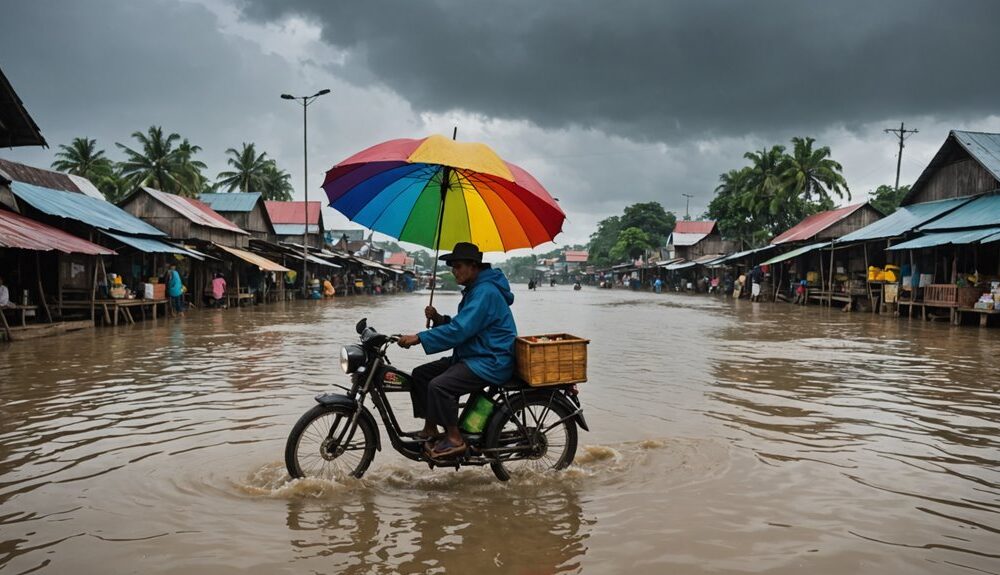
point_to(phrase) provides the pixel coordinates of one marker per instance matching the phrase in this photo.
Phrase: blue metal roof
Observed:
(903, 220)
(294, 229)
(980, 212)
(91, 211)
(795, 253)
(148, 245)
(233, 202)
(961, 237)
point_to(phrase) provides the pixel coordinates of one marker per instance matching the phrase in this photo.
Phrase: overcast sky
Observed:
(606, 103)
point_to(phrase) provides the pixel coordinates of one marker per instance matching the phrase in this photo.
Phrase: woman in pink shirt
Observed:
(218, 290)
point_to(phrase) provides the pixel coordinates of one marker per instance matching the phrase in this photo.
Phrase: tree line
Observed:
(167, 162)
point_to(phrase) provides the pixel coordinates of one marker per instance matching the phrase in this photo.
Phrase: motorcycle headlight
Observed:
(351, 358)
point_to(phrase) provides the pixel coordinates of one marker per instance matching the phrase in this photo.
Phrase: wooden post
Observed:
(41, 292)
(871, 297)
(93, 295)
(829, 295)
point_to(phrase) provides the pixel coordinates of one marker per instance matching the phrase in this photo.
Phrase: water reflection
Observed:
(450, 526)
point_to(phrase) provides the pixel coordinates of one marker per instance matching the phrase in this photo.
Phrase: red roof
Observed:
(575, 256)
(398, 259)
(814, 224)
(292, 212)
(17, 231)
(194, 210)
(693, 227)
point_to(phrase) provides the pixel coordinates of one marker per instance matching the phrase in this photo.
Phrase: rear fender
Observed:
(561, 398)
(339, 399)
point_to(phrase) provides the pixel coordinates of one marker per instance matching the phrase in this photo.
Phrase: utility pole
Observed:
(687, 206)
(901, 133)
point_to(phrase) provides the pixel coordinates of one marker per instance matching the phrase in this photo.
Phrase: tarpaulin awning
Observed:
(82, 208)
(252, 258)
(795, 253)
(20, 232)
(960, 237)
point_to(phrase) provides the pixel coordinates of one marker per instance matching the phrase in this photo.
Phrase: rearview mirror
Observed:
(361, 325)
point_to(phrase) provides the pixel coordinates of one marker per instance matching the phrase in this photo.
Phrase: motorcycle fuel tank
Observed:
(395, 380)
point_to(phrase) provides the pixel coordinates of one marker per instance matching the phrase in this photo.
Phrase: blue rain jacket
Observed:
(174, 286)
(482, 332)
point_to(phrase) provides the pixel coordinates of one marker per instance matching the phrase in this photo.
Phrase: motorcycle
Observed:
(528, 428)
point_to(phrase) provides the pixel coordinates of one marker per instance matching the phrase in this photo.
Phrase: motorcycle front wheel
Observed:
(532, 436)
(320, 446)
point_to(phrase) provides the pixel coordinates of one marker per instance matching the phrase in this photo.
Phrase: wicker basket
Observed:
(551, 359)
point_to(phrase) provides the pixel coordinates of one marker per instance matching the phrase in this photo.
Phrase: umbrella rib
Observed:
(400, 193)
(488, 209)
(468, 222)
(414, 206)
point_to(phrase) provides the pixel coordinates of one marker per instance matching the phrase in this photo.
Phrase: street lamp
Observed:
(305, 101)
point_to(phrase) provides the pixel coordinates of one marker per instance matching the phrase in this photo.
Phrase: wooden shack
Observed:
(246, 210)
(692, 240)
(183, 219)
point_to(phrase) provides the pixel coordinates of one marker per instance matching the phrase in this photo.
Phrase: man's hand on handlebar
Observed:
(431, 313)
(407, 341)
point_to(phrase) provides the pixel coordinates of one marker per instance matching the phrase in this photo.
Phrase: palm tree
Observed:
(277, 183)
(160, 165)
(249, 170)
(764, 179)
(811, 173)
(82, 158)
(191, 179)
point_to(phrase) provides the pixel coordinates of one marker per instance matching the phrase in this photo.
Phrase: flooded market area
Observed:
(726, 437)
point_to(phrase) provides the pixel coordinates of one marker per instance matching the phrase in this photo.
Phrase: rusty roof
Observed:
(37, 176)
(20, 232)
(695, 227)
(575, 256)
(808, 228)
(195, 211)
(293, 212)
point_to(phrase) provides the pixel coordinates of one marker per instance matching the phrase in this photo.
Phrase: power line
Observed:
(901, 133)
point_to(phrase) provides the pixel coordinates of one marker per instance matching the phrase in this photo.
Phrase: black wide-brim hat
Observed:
(463, 251)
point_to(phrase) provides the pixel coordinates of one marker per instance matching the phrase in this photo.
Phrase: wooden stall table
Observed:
(984, 314)
(112, 308)
(237, 298)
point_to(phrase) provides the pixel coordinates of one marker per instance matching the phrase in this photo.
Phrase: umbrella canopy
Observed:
(396, 188)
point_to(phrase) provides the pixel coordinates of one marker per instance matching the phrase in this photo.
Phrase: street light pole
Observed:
(305, 101)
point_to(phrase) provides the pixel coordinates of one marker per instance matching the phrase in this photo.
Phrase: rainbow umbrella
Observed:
(434, 191)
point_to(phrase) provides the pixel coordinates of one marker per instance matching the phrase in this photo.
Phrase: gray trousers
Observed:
(436, 388)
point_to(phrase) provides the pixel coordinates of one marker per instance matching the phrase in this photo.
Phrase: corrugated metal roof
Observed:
(20, 232)
(293, 212)
(149, 246)
(85, 186)
(293, 229)
(195, 211)
(796, 253)
(679, 266)
(903, 220)
(685, 239)
(232, 202)
(983, 147)
(17, 128)
(980, 212)
(79, 207)
(808, 228)
(36, 176)
(695, 227)
(960, 237)
(743, 254)
(573, 256)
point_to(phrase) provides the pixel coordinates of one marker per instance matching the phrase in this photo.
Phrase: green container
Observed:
(477, 413)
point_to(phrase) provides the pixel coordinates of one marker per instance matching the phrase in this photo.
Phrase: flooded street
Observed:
(726, 437)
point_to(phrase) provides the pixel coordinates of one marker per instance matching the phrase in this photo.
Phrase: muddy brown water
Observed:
(726, 438)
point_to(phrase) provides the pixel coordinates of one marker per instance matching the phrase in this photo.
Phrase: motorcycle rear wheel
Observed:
(313, 446)
(555, 443)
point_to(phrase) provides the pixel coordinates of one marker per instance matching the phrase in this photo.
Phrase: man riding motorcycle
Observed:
(482, 336)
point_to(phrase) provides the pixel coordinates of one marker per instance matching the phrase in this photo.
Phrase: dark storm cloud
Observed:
(656, 70)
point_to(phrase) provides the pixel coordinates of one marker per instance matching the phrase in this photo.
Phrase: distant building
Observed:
(288, 219)
(246, 210)
(691, 240)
